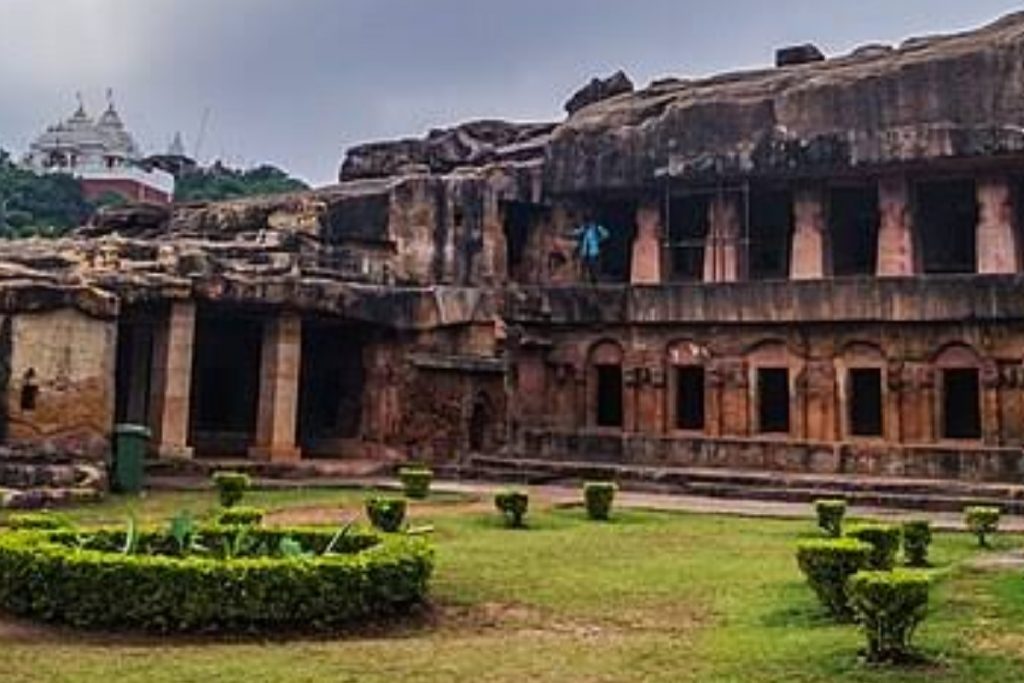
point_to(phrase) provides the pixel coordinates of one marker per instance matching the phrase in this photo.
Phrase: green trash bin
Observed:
(131, 442)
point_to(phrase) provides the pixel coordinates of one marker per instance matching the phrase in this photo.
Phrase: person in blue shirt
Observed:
(589, 238)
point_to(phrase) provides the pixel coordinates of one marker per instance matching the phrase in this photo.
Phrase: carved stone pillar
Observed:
(722, 253)
(810, 235)
(279, 390)
(997, 247)
(171, 381)
(896, 257)
(646, 268)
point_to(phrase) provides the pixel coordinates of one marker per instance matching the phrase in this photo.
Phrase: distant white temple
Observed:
(102, 154)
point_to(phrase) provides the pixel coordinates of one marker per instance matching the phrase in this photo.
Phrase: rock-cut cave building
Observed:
(811, 268)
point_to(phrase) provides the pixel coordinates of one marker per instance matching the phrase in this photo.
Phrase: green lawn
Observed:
(649, 597)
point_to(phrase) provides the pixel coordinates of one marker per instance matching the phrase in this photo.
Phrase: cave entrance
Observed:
(866, 402)
(136, 330)
(331, 384)
(771, 234)
(853, 227)
(690, 398)
(609, 396)
(773, 400)
(481, 425)
(225, 382)
(619, 219)
(687, 234)
(961, 404)
(946, 219)
(519, 222)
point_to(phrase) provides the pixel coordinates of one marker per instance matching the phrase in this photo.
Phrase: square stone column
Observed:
(279, 390)
(997, 246)
(896, 254)
(722, 253)
(810, 235)
(646, 268)
(171, 381)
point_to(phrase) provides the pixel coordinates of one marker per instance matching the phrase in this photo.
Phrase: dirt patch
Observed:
(1009, 561)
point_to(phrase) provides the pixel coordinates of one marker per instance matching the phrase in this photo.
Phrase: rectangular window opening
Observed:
(609, 396)
(853, 226)
(773, 400)
(866, 402)
(946, 218)
(961, 403)
(690, 398)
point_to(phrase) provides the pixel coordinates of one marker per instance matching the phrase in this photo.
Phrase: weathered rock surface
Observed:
(598, 90)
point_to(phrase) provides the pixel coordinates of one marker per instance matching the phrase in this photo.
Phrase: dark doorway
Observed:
(481, 421)
(520, 220)
(687, 231)
(619, 219)
(961, 404)
(771, 234)
(853, 226)
(132, 376)
(690, 398)
(225, 382)
(866, 402)
(773, 400)
(946, 220)
(609, 395)
(331, 380)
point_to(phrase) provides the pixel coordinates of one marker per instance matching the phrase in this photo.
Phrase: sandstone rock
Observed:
(796, 55)
(597, 90)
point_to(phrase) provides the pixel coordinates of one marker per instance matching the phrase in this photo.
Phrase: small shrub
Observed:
(231, 487)
(416, 481)
(889, 607)
(828, 564)
(241, 516)
(38, 520)
(917, 536)
(830, 516)
(884, 540)
(513, 505)
(386, 513)
(982, 522)
(598, 497)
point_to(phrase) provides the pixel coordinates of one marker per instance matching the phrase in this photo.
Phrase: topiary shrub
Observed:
(231, 487)
(884, 540)
(982, 521)
(241, 516)
(416, 481)
(386, 513)
(598, 497)
(513, 505)
(830, 516)
(828, 564)
(917, 536)
(38, 520)
(285, 579)
(889, 607)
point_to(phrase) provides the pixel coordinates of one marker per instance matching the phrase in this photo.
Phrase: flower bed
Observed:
(224, 579)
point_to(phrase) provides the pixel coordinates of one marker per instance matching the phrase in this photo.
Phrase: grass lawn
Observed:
(648, 597)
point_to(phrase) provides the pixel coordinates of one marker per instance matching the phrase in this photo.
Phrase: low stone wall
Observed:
(953, 462)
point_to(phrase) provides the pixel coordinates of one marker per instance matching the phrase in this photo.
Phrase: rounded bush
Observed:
(513, 505)
(830, 516)
(889, 607)
(231, 487)
(884, 540)
(89, 582)
(917, 536)
(416, 481)
(828, 564)
(386, 513)
(598, 497)
(982, 521)
(241, 516)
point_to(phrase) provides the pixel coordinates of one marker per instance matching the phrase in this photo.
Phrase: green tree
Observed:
(219, 182)
(38, 204)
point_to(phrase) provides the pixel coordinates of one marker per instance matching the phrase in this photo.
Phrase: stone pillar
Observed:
(171, 381)
(722, 253)
(810, 235)
(646, 268)
(896, 257)
(997, 248)
(279, 390)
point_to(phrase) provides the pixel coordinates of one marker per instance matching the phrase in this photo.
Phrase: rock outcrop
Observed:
(598, 90)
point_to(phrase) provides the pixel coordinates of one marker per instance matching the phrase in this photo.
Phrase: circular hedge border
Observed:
(84, 580)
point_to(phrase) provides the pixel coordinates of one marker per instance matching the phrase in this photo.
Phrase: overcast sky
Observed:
(294, 82)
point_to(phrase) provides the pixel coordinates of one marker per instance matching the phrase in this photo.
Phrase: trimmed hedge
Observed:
(231, 487)
(58, 577)
(917, 536)
(830, 516)
(513, 505)
(416, 481)
(386, 513)
(598, 497)
(828, 564)
(241, 516)
(884, 540)
(889, 606)
(982, 521)
(38, 520)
